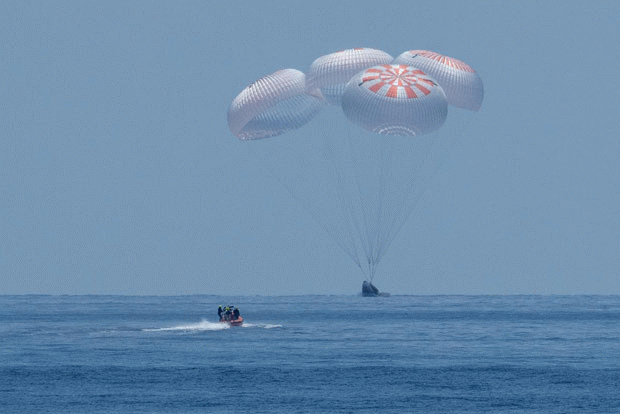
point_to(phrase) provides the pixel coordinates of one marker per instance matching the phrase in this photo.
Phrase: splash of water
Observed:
(201, 326)
(209, 326)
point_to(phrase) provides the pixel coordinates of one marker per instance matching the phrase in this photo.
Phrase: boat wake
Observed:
(210, 326)
(200, 326)
(260, 325)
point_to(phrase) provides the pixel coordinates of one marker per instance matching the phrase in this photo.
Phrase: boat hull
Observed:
(235, 322)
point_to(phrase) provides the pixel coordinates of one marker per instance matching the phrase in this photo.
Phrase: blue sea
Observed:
(310, 354)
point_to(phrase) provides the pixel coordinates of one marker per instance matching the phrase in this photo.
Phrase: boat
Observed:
(233, 322)
(230, 316)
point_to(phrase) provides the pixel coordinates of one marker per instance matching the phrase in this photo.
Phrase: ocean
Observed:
(310, 354)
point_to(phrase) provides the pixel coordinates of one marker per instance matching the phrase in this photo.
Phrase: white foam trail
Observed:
(264, 326)
(210, 326)
(201, 326)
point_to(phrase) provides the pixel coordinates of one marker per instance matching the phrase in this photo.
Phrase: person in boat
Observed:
(236, 314)
(220, 311)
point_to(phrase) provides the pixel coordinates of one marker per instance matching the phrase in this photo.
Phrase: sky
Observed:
(118, 174)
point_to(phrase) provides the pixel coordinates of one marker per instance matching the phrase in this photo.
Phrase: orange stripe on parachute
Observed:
(377, 86)
(410, 93)
(392, 92)
(423, 89)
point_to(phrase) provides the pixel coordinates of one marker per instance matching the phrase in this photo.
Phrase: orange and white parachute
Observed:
(358, 186)
(402, 96)
(395, 100)
(460, 82)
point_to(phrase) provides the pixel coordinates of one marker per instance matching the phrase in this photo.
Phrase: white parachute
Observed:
(331, 73)
(273, 105)
(360, 184)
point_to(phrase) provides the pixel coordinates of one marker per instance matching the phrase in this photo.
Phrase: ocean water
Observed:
(310, 354)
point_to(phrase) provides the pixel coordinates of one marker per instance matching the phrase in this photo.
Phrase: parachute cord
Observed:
(373, 268)
(448, 143)
(309, 211)
(346, 213)
(364, 240)
(382, 184)
(387, 151)
(403, 210)
(387, 160)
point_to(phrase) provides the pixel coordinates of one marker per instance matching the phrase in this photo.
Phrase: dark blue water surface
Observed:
(425, 354)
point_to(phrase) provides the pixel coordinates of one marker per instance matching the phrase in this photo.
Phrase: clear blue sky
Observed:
(118, 173)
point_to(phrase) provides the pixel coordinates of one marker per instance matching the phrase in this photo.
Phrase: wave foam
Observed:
(209, 326)
(201, 326)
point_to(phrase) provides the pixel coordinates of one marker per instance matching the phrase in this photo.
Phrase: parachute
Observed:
(462, 85)
(273, 105)
(331, 73)
(395, 100)
(361, 182)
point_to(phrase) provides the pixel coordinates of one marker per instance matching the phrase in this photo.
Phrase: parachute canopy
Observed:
(273, 105)
(462, 85)
(395, 100)
(330, 73)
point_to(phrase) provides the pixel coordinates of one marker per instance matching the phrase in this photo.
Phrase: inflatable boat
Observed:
(233, 322)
